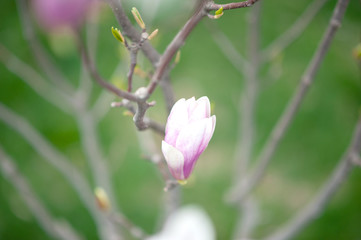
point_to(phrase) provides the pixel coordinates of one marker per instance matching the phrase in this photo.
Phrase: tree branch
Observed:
(55, 158)
(42, 58)
(319, 202)
(121, 220)
(92, 150)
(94, 73)
(248, 99)
(228, 6)
(85, 83)
(293, 32)
(293, 105)
(129, 31)
(57, 229)
(228, 49)
(173, 47)
(27, 74)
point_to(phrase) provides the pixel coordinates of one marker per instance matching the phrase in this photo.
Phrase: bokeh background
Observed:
(306, 156)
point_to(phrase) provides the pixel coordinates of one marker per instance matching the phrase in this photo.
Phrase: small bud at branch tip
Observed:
(138, 18)
(118, 35)
(153, 34)
(219, 11)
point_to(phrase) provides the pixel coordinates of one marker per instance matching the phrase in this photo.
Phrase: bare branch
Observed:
(94, 73)
(129, 31)
(150, 151)
(228, 49)
(92, 150)
(250, 94)
(243, 153)
(157, 127)
(86, 84)
(133, 63)
(121, 220)
(35, 81)
(75, 178)
(57, 229)
(248, 221)
(293, 105)
(293, 32)
(228, 6)
(319, 202)
(49, 153)
(42, 58)
(173, 47)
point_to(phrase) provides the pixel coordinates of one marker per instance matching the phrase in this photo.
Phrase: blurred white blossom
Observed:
(187, 223)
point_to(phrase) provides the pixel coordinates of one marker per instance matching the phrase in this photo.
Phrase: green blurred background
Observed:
(310, 150)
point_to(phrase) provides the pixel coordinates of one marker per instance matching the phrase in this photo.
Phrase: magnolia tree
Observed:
(173, 144)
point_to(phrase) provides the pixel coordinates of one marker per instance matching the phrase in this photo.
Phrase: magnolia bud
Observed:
(188, 131)
(53, 14)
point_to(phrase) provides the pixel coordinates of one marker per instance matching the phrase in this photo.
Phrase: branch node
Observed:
(356, 159)
(170, 185)
(141, 93)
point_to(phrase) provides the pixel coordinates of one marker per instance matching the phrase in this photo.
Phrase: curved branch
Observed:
(293, 105)
(319, 202)
(293, 32)
(229, 6)
(41, 56)
(31, 77)
(129, 31)
(57, 229)
(173, 47)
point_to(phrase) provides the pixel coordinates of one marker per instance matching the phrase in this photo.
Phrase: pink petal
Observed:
(175, 160)
(209, 133)
(177, 119)
(191, 105)
(201, 110)
(192, 141)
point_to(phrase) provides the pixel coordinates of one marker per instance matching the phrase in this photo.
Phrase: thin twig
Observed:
(75, 178)
(248, 221)
(101, 105)
(49, 153)
(248, 99)
(228, 49)
(95, 74)
(286, 118)
(129, 31)
(41, 56)
(56, 228)
(180, 38)
(139, 96)
(92, 150)
(133, 63)
(86, 84)
(229, 6)
(294, 31)
(319, 202)
(174, 46)
(172, 192)
(121, 220)
(152, 54)
(31, 77)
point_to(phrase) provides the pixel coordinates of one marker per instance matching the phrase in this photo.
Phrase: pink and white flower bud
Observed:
(53, 14)
(188, 132)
